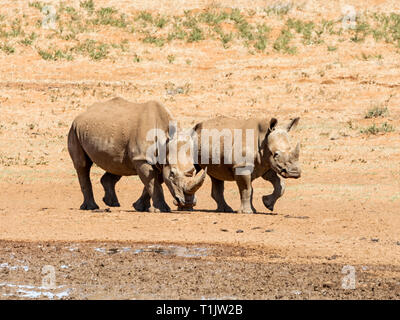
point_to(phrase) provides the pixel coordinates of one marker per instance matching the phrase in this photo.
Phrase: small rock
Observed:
(239, 231)
(215, 222)
(112, 250)
(224, 230)
(374, 239)
(269, 230)
(255, 228)
(398, 243)
(296, 217)
(102, 210)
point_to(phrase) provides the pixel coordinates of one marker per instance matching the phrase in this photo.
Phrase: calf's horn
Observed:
(195, 183)
(296, 152)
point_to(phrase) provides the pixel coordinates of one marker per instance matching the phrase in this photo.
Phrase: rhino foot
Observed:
(245, 211)
(141, 206)
(89, 206)
(185, 208)
(111, 202)
(224, 208)
(160, 208)
(269, 202)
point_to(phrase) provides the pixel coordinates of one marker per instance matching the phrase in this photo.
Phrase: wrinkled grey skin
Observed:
(113, 135)
(274, 159)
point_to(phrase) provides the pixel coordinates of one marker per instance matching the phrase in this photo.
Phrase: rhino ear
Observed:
(292, 124)
(172, 129)
(272, 124)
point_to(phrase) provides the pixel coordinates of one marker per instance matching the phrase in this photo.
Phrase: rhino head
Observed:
(179, 172)
(284, 160)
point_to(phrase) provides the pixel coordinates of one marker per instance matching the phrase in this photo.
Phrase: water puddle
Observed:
(33, 292)
(178, 251)
(7, 266)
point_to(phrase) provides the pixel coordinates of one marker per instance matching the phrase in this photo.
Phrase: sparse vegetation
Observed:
(331, 48)
(279, 8)
(172, 89)
(376, 112)
(171, 58)
(95, 50)
(76, 25)
(29, 40)
(88, 5)
(282, 43)
(159, 42)
(374, 129)
(136, 58)
(7, 48)
(55, 55)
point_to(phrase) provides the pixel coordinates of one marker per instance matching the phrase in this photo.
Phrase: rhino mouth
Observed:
(185, 204)
(289, 174)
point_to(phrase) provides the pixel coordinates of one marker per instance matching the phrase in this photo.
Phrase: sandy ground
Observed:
(345, 209)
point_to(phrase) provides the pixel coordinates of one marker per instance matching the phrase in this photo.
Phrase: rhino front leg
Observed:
(151, 181)
(108, 180)
(246, 193)
(217, 193)
(279, 188)
(143, 203)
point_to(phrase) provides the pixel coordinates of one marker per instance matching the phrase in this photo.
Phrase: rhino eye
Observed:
(172, 173)
(276, 155)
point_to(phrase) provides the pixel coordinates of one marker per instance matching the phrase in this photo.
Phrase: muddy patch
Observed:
(110, 270)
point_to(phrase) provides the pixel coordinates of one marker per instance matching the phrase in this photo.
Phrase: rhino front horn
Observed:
(195, 183)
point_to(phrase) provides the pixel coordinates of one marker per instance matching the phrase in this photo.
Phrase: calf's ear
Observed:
(272, 124)
(292, 124)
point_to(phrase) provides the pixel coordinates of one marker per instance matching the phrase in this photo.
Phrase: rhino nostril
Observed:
(283, 171)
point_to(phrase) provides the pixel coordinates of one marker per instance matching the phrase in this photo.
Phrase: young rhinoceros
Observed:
(248, 149)
(115, 135)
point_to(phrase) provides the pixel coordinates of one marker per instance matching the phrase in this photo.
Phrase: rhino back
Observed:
(113, 133)
(225, 171)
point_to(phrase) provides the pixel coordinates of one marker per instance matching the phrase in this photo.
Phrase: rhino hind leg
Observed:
(143, 203)
(151, 181)
(217, 193)
(108, 180)
(246, 193)
(279, 188)
(82, 164)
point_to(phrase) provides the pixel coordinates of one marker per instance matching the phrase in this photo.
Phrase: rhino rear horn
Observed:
(195, 183)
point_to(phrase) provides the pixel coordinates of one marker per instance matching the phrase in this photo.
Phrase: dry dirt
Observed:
(344, 211)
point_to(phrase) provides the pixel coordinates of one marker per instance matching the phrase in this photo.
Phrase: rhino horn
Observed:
(296, 152)
(195, 183)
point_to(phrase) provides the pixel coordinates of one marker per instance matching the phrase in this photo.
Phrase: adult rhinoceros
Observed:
(268, 151)
(115, 135)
